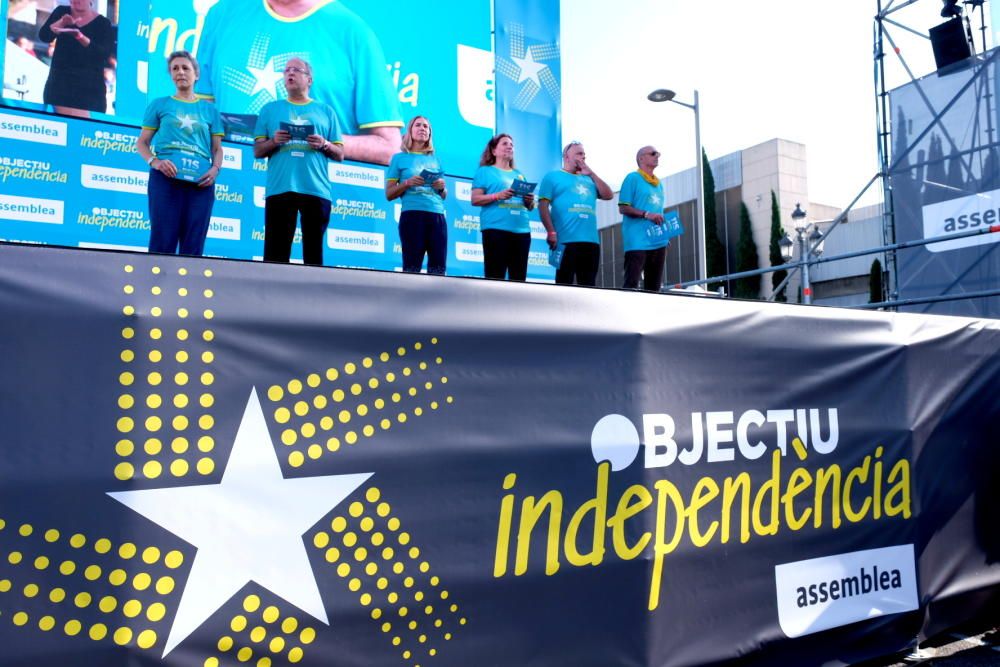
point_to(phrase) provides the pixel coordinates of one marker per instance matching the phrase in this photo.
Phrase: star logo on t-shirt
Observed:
(298, 120)
(582, 190)
(654, 200)
(186, 122)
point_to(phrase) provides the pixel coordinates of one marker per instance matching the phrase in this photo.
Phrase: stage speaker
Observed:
(950, 43)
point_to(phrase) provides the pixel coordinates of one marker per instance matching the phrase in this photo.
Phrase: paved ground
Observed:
(969, 646)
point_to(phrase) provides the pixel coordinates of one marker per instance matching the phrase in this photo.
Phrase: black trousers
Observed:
(280, 215)
(648, 264)
(579, 264)
(423, 233)
(505, 254)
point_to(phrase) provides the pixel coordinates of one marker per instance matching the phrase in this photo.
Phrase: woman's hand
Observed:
(165, 167)
(438, 185)
(208, 178)
(504, 195)
(414, 182)
(529, 201)
(66, 22)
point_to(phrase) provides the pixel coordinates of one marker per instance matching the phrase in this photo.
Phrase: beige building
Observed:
(749, 176)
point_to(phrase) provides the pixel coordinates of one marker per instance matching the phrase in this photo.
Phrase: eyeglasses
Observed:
(295, 68)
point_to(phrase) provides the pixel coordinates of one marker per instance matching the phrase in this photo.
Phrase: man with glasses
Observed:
(641, 202)
(568, 198)
(298, 136)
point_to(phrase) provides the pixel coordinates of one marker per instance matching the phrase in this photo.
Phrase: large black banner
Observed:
(217, 463)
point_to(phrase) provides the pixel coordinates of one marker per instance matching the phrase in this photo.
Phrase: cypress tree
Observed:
(876, 292)
(746, 259)
(714, 251)
(777, 233)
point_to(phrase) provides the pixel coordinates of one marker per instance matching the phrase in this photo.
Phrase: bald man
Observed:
(641, 204)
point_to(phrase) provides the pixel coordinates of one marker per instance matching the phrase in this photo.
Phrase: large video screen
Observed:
(376, 64)
(70, 174)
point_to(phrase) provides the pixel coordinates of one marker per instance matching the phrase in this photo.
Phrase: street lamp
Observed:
(809, 247)
(666, 95)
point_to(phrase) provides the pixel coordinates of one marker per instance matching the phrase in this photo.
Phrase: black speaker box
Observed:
(950, 43)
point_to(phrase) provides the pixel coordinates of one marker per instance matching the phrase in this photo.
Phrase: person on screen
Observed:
(181, 141)
(504, 218)
(298, 136)
(84, 40)
(641, 204)
(423, 229)
(568, 199)
(245, 44)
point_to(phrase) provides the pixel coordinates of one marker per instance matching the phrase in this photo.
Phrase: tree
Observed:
(714, 251)
(876, 292)
(777, 233)
(746, 259)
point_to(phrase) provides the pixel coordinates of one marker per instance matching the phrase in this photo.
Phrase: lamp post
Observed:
(666, 95)
(809, 246)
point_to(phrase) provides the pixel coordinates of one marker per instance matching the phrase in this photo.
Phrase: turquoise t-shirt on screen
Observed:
(245, 46)
(423, 197)
(573, 199)
(638, 233)
(182, 127)
(295, 166)
(509, 215)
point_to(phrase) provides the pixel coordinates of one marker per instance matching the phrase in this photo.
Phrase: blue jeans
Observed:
(423, 233)
(179, 213)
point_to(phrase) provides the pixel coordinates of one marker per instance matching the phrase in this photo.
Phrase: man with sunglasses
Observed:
(641, 202)
(298, 136)
(568, 199)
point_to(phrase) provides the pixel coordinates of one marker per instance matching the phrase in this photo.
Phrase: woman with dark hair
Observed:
(181, 141)
(84, 42)
(504, 218)
(415, 175)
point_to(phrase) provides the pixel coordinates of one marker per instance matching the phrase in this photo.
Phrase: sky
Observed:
(800, 70)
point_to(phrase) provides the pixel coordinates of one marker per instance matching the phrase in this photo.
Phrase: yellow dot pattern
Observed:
(378, 562)
(88, 580)
(322, 412)
(262, 634)
(165, 427)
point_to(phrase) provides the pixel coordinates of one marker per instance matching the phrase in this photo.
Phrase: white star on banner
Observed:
(247, 528)
(530, 68)
(266, 79)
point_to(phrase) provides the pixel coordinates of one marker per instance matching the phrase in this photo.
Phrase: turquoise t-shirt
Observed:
(573, 199)
(182, 127)
(245, 46)
(509, 215)
(640, 234)
(421, 198)
(297, 167)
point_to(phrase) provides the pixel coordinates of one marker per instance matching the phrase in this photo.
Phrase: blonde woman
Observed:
(84, 42)
(416, 177)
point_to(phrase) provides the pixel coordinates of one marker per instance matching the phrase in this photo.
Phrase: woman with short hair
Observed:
(181, 141)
